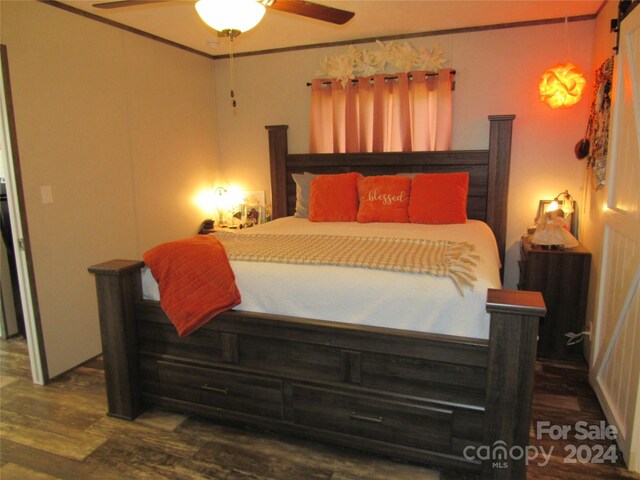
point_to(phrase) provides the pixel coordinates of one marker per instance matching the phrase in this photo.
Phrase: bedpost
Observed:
(277, 156)
(500, 130)
(118, 286)
(510, 374)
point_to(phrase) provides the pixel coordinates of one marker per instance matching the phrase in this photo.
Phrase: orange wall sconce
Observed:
(561, 86)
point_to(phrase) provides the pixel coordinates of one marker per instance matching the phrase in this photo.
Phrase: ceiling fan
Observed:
(230, 18)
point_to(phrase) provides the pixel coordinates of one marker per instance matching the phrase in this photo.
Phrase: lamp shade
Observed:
(561, 86)
(238, 15)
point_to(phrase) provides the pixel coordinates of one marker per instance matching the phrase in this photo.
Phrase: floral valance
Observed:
(390, 57)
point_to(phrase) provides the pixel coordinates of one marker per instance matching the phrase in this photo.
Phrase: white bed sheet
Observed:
(364, 296)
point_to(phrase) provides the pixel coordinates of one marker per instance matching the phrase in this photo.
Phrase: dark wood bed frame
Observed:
(412, 396)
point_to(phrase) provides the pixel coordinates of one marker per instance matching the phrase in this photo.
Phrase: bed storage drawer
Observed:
(157, 336)
(461, 383)
(457, 378)
(289, 358)
(234, 391)
(396, 422)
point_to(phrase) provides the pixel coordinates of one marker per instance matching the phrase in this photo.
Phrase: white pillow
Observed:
(303, 190)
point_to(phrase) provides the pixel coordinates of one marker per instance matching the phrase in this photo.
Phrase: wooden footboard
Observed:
(430, 399)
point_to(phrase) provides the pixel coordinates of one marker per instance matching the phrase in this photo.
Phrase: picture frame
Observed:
(253, 208)
(252, 215)
(256, 197)
(571, 219)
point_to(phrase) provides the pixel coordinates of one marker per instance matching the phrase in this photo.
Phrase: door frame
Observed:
(20, 229)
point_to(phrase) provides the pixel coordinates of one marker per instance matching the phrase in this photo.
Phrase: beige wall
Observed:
(497, 73)
(123, 130)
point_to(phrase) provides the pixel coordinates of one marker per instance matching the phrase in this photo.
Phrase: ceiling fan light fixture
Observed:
(230, 15)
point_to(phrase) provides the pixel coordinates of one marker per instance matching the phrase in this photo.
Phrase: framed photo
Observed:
(253, 208)
(252, 215)
(254, 198)
(571, 219)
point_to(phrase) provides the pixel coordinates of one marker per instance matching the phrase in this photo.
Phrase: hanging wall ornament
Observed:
(599, 122)
(582, 148)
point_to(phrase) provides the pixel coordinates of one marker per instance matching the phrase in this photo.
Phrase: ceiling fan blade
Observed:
(297, 7)
(125, 3)
(311, 10)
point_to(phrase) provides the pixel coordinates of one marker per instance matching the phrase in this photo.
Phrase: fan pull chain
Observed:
(231, 72)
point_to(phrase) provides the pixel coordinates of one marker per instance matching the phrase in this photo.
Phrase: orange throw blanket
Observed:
(195, 280)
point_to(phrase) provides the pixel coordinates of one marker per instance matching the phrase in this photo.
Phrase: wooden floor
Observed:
(61, 432)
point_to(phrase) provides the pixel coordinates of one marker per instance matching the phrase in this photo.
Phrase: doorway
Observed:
(25, 299)
(11, 317)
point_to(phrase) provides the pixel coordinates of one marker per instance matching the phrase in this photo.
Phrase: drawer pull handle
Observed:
(365, 418)
(222, 391)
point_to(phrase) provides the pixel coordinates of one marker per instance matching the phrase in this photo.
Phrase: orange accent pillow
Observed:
(439, 198)
(384, 198)
(195, 280)
(334, 198)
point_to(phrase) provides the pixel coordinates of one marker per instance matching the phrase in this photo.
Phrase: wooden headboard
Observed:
(488, 171)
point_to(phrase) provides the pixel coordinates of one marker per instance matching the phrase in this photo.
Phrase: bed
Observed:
(413, 395)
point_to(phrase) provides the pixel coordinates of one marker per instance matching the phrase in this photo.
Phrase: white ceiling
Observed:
(177, 20)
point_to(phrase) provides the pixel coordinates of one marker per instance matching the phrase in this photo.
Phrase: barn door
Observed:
(615, 374)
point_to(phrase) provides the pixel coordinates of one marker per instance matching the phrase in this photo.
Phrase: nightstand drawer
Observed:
(379, 419)
(213, 387)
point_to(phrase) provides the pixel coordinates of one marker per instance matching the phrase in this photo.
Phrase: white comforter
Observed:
(364, 296)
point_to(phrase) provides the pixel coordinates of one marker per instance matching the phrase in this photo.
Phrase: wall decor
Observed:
(598, 127)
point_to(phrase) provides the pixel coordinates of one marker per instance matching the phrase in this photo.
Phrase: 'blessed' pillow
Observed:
(439, 198)
(384, 198)
(334, 198)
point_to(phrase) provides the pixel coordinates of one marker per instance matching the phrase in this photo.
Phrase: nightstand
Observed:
(563, 278)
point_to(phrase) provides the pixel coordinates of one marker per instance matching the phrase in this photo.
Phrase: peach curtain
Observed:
(375, 114)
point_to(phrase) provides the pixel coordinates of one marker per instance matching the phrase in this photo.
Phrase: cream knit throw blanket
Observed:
(441, 258)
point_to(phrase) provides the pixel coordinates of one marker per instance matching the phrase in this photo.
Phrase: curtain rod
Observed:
(428, 74)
